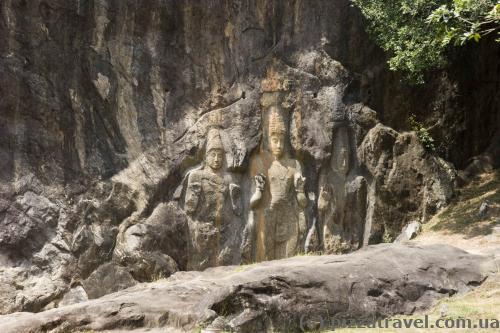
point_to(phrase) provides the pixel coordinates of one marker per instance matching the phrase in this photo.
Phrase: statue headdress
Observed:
(276, 122)
(213, 140)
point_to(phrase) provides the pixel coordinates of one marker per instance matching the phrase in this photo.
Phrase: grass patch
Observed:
(462, 214)
(244, 267)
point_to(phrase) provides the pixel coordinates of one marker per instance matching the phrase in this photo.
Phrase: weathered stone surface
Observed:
(74, 295)
(27, 223)
(107, 279)
(155, 247)
(379, 281)
(105, 108)
(484, 209)
(410, 231)
(408, 183)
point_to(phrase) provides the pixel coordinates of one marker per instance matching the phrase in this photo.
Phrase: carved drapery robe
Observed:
(213, 203)
(278, 219)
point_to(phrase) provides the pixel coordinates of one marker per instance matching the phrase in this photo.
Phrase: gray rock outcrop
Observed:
(284, 295)
(410, 231)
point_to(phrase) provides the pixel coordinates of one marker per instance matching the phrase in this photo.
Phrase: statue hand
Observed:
(192, 195)
(260, 181)
(324, 194)
(324, 198)
(299, 183)
(195, 187)
(235, 194)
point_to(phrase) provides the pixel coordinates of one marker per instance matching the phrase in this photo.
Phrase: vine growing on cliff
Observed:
(417, 33)
(422, 132)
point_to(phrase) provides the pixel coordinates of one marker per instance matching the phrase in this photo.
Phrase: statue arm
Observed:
(299, 182)
(260, 181)
(235, 193)
(247, 243)
(192, 195)
(302, 199)
(255, 199)
(324, 198)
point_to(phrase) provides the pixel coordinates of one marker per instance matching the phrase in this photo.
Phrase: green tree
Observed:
(417, 33)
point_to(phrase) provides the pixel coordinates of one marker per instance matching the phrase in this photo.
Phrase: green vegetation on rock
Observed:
(423, 133)
(417, 33)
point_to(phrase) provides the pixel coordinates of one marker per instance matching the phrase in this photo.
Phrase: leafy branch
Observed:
(465, 20)
(417, 33)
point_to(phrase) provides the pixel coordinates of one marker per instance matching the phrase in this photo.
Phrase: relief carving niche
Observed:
(342, 201)
(212, 199)
(276, 224)
(271, 206)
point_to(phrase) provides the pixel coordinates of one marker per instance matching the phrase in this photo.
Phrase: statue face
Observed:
(214, 158)
(277, 145)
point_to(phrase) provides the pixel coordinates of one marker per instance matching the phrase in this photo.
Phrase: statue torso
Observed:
(281, 177)
(212, 205)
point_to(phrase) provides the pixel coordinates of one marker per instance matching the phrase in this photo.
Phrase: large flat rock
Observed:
(377, 281)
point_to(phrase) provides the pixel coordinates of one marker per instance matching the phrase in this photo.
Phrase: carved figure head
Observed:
(214, 150)
(277, 131)
(344, 161)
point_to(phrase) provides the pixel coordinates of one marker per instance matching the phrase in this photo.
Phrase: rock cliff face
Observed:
(105, 109)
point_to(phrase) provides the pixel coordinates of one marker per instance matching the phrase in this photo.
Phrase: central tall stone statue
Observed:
(276, 223)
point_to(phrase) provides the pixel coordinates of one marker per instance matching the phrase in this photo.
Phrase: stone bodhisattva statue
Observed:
(277, 221)
(342, 198)
(213, 201)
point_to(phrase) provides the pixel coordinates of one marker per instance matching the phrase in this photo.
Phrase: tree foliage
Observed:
(417, 33)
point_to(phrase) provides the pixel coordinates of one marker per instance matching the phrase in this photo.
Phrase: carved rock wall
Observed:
(105, 106)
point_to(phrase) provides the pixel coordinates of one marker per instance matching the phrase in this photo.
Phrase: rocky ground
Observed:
(482, 303)
(402, 281)
(466, 224)
(284, 295)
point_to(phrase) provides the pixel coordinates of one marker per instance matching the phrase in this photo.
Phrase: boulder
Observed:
(410, 231)
(409, 183)
(282, 295)
(106, 279)
(155, 247)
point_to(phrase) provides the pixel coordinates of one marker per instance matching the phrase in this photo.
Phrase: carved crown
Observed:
(276, 122)
(213, 140)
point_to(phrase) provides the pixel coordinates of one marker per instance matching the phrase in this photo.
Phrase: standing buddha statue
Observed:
(279, 200)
